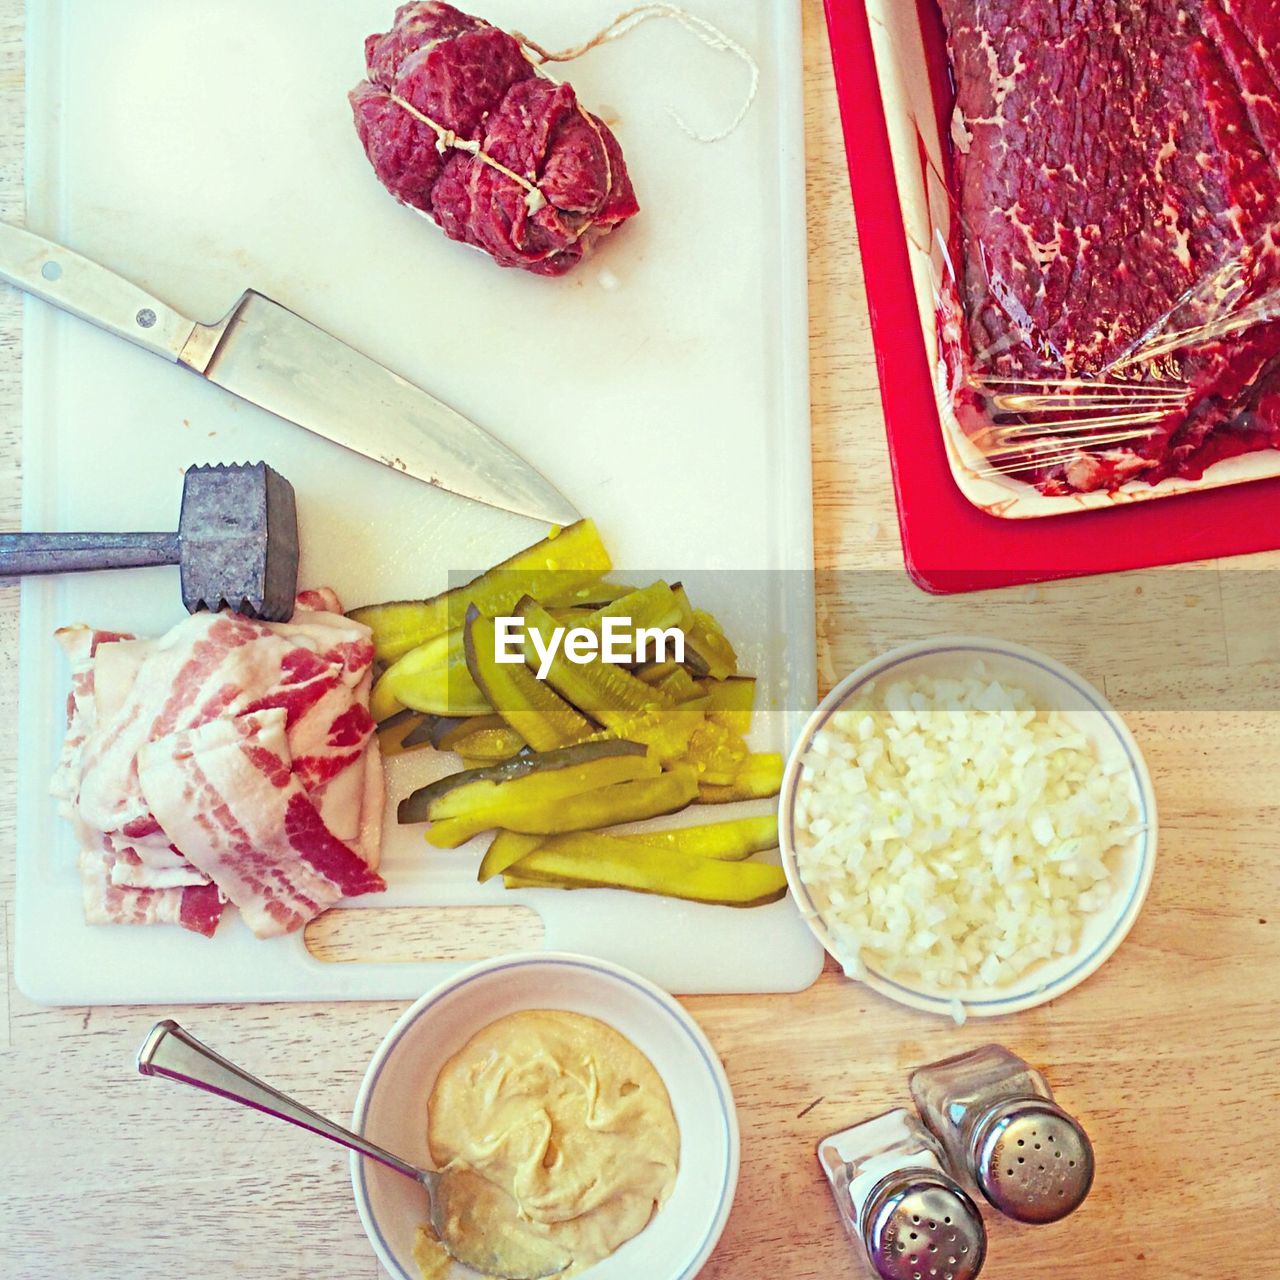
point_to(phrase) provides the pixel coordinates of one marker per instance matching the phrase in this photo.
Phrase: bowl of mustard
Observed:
(588, 1101)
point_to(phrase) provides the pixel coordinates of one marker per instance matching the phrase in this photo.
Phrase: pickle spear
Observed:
(504, 849)
(758, 776)
(510, 881)
(383, 704)
(590, 595)
(656, 672)
(403, 732)
(725, 841)
(680, 685)
(539, 788)
(555, 567)
(717, 753)
(487, 738)
(603, 862)
(730, 702)
(538, 714)
(433, 678)
(707, 648)
(656, 605)
(548, 775)
(603, 690)
(731, 841)
(611, 695)
(428, 731)
(606, 806)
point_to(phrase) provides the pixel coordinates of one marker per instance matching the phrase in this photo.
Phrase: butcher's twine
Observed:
(709, 34)
(446, 139)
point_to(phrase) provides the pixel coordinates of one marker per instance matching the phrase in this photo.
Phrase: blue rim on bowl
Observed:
(551, 959)
(1025, 994)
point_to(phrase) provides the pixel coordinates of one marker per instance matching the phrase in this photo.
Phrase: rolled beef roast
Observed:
(458, 123)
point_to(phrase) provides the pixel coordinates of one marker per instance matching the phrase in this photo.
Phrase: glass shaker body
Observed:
(1004, 1134)
(898, 1203)
(955, 1094)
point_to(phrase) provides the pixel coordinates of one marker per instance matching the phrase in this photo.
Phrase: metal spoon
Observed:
(176, 1054)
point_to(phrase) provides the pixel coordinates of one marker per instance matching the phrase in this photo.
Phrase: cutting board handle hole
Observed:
(407, 935)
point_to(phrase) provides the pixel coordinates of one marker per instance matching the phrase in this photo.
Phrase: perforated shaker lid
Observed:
(1033, 1161)
(918, 1224)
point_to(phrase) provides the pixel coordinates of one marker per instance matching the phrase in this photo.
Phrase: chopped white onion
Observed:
(955, 833)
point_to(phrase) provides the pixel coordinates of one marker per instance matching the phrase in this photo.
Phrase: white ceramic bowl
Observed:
(1052, 686)
(391, 1108)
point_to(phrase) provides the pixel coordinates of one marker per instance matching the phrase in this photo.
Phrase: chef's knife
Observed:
(272, 357)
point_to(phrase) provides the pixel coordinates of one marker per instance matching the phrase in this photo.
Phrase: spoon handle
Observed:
(176, 1054)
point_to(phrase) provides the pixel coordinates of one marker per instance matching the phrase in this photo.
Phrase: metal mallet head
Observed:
(238, 540)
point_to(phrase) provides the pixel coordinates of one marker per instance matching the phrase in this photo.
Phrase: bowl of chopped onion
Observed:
(968, 826)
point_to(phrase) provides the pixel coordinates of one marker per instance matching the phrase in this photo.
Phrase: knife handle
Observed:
(29, 553)
(88, 290)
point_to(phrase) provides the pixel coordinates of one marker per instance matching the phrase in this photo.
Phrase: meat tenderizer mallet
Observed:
(236, 545)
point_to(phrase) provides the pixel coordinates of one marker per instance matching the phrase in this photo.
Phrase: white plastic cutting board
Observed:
(199, 149)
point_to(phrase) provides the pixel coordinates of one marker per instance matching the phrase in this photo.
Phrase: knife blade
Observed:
(274, 358)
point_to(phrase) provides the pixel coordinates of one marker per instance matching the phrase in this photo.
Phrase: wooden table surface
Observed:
(1168, 1053)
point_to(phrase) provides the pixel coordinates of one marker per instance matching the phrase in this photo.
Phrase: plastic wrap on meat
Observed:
(460, 125)
(1117, 192)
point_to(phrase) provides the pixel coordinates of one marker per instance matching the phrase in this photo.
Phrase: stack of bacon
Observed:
(229, 760)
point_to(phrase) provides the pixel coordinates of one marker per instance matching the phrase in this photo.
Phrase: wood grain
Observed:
(1167, 1053)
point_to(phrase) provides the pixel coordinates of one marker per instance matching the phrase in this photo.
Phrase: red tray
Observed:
(948, 544)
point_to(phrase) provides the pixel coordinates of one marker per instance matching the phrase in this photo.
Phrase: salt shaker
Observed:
(1003, 1133)
(897, 1201)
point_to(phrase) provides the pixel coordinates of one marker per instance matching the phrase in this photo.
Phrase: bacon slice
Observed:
(194, 907)
(81, 645)
(117, 886)
(115, 670)
(227, 793)
(319, 600)
(141, 869)
(373, 802)
(291, 700)
(215, 665)
(328, 740)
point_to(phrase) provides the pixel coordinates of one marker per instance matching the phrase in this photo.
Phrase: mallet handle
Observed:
(28, 553)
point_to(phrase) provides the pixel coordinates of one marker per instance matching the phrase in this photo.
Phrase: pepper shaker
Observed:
(1003, 1133)
(896, 1200)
